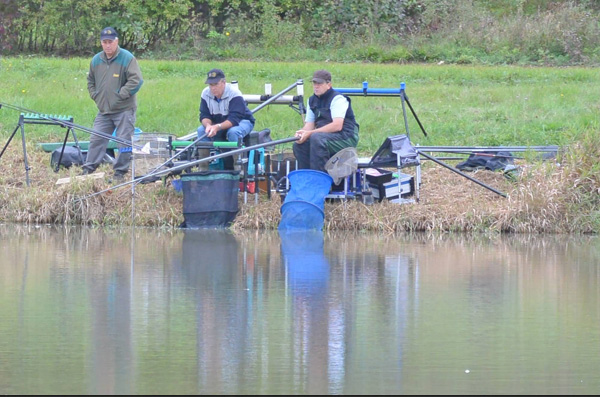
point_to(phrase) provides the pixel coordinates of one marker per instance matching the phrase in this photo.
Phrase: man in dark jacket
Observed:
(113, 82)
(329, 126)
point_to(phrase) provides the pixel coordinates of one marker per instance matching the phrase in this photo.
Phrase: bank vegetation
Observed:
(531, 32)
(557, 196)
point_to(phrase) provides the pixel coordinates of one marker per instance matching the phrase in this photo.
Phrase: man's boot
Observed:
(202, 154)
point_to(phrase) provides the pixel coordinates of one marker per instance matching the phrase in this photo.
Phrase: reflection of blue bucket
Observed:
(304, 204)
(307, 266)
(301, 215)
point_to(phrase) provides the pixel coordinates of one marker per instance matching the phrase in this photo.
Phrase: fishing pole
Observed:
(451, 149)
(193, 163)
(69, 124)
(139, 180)
(178, 154)
(479, 154)
(461, 173)
(276, 96)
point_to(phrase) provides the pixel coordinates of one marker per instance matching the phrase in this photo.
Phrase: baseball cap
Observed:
(321, 76)
(214, 76)
(108, 34)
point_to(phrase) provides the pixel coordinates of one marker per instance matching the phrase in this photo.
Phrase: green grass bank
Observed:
(458, 105)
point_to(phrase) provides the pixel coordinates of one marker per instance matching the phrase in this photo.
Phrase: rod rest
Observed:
(253, 138)
(46, 119)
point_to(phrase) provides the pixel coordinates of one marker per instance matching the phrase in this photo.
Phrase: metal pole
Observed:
(462, 174)
(193, 163)
(72, 125)
(404, 110)
(178, 154)
(452, 149)
(27, 168)
(413, 112)
(275, 97)
(133, 191)
(10, 139)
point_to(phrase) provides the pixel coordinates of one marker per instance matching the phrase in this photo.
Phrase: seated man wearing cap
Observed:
(223, 114)
(113, 81)
(329, 126)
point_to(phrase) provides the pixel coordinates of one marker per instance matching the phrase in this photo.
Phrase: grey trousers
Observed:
(124, 123)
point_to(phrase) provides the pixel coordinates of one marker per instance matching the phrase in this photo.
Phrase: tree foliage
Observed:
(211, 29)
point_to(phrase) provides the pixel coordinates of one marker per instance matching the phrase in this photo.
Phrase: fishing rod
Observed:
(193, 163)
(461, 173)
(276, 96)
(177, 154)
(451, 149)
(481, 154)
(69, 124)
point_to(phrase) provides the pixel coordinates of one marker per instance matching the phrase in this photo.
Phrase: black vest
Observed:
(321, 107)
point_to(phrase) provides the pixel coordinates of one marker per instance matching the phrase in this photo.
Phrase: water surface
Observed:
(91, 311)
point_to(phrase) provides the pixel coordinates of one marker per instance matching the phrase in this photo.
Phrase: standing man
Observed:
(113, 82)
(329, 126)
(223, 113)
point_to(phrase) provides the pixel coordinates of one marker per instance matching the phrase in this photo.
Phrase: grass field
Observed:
(457, 105)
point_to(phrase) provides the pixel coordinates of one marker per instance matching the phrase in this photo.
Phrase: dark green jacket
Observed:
(113, 83)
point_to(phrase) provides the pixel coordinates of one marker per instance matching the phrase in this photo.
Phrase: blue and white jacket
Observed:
(230, 107)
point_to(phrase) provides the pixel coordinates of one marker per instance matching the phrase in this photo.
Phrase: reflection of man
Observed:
(223, 113)
(329, 127)
(113, 82)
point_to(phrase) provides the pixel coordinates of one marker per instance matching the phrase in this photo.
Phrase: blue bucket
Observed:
(301, 215)
(303, 207)
(309, 185)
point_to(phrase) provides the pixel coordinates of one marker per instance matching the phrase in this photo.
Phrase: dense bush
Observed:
(553, 32)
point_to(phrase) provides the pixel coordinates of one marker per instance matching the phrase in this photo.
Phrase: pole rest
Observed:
(45, 119)
(366, 91)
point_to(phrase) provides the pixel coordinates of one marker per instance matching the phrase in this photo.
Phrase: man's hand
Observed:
(303, 135)
(212, 130)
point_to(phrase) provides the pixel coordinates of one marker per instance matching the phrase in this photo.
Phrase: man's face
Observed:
(110, 47)
(217, 89)
(320, 88)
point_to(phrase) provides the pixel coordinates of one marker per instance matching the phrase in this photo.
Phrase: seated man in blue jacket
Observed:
(223, 113)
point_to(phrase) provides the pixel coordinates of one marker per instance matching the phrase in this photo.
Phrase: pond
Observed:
(101, 311)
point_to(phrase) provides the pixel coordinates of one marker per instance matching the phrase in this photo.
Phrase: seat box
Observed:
(394, 189)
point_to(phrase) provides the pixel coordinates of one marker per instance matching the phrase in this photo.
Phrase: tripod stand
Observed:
(21, 126)
(404, 99)
(32, 118)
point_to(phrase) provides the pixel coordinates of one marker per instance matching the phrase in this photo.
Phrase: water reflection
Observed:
(150, 312)
(307, 272)
(210, 269)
